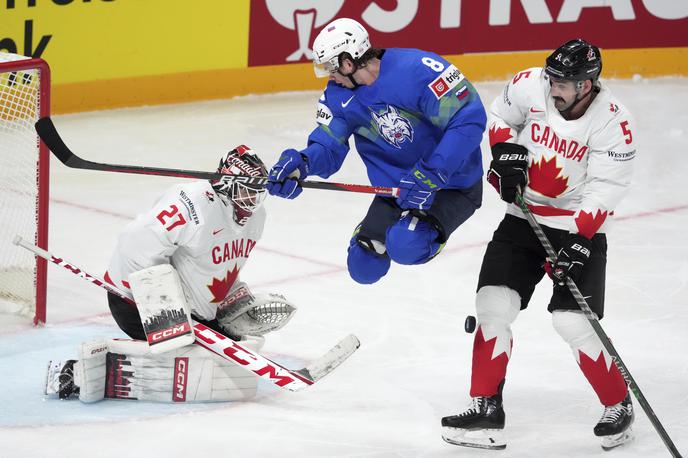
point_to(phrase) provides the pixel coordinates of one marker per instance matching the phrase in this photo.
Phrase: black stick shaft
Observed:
(48, 133)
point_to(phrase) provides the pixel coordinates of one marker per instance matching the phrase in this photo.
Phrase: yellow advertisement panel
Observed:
(91, 40)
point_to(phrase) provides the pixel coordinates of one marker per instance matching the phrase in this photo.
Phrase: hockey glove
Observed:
(283, 180)
(508, 169)
(417, 189)
(570, 259)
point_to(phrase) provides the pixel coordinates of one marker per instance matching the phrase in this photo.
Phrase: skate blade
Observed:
(614, 440)
(490, 439)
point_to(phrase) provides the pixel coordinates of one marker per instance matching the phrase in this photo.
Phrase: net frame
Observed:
(17, 63)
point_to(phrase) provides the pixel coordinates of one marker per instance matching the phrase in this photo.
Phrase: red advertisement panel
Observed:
(282, 31)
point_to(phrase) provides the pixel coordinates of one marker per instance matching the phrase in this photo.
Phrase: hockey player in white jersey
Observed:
(179, 259)
(558, 134)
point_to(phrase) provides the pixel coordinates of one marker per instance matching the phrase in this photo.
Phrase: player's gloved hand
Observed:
(570, 259)
(417, 189)
(508, 169)
(284, 176)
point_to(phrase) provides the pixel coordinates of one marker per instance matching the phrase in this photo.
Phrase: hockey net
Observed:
(24, 98)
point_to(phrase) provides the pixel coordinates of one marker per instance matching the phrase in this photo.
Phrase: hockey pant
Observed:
(497, 308)
(126, 369)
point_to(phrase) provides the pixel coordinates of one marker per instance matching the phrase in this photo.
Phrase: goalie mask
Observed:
(244, 195)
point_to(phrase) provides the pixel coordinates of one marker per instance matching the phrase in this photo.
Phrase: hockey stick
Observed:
(223, 346)
(48, 133)
(595, 323)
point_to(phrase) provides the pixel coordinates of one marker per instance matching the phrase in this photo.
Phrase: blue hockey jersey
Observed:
(419, 107)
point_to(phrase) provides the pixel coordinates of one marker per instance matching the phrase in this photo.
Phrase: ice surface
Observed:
(413, 366)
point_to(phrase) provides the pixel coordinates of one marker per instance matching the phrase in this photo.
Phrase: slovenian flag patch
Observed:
(462, 93)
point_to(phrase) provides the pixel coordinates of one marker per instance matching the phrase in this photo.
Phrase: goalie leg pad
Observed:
(165, 314)
(89, 371)
(188, 374)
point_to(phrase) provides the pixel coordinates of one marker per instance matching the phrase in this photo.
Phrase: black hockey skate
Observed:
(60, 379)
(615, 425)
(480, 426)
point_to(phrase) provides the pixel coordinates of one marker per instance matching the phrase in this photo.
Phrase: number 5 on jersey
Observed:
(171, 218)
(627, 132)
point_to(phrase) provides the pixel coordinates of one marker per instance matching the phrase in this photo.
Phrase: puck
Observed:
(469, 324)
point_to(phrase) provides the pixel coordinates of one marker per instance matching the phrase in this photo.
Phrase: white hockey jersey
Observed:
(578, 170)
(190, 228)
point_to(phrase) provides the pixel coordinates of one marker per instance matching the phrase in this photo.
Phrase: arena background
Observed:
(115, 53)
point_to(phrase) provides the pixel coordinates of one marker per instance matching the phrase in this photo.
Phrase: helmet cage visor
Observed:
(247, 197)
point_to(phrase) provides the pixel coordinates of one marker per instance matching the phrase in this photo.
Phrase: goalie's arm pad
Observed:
(244, 313)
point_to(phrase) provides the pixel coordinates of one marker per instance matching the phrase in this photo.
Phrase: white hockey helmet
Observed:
(339, 36)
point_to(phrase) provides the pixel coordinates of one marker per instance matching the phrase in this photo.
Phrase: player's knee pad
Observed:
(574, 328)
(412, 241)
(367, 261)
(497, 306)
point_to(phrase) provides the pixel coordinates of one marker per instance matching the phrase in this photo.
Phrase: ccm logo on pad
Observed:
(169, 333)
(181, 371)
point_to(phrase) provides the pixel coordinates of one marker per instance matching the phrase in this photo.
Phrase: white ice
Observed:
(413, 366)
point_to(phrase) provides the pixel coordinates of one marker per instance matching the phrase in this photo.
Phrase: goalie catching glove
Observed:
(244, 313)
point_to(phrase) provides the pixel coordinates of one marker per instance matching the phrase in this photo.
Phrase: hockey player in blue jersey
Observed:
(417, 124)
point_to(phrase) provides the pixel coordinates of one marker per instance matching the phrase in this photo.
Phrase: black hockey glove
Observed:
(570, 259)
(508, 169)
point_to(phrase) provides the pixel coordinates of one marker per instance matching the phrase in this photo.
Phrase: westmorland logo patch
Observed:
(393, 127)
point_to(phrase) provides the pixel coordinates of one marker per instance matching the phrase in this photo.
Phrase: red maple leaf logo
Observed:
(545, 178)
(499, 134)
(488, 372)
(220, 288)
(607, 382)
(588, 224)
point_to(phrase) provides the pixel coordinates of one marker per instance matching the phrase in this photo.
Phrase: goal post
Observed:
(24, 183)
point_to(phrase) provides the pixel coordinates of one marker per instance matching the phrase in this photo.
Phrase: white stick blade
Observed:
(330, 360)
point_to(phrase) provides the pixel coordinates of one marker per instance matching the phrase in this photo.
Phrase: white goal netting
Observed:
(22, 189)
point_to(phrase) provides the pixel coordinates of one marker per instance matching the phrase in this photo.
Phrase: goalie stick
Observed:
(226, 348)
(48, 133)
(595, 323)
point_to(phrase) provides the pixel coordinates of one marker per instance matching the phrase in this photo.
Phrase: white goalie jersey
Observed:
(578, 170)
(192, 229)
